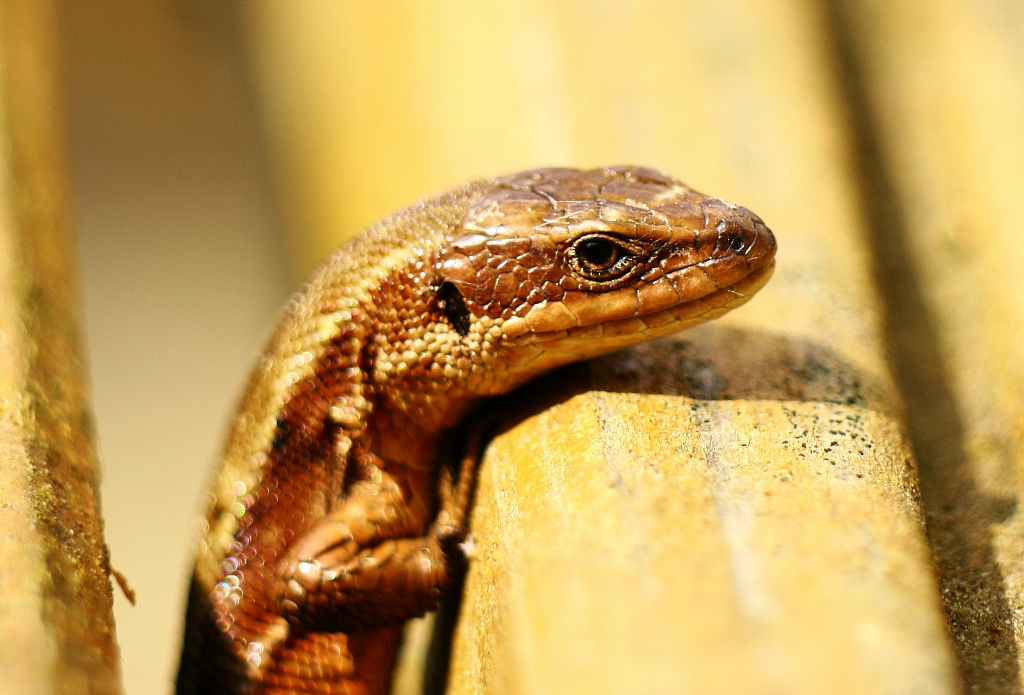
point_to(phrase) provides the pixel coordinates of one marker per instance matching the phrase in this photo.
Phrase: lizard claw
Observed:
(452, 539)
(304, 577)
(259, 654)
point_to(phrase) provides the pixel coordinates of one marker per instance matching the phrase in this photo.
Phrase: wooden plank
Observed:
(734, 510)
(56, 626)
(938, 88)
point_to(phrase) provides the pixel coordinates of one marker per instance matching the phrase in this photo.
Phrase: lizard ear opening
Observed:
(452, 303)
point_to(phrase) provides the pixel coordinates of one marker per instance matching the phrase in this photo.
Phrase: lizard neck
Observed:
(412, 437)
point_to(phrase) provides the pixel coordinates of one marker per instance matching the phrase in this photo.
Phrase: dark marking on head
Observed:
(452, 303)
(280, 434)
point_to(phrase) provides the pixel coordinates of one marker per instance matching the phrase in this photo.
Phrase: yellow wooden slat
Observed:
(56, 625)
(943, 83)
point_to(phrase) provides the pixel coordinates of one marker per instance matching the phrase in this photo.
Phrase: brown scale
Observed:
(330, 525)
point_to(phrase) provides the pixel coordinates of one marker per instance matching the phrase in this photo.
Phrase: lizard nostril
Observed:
(737, 243)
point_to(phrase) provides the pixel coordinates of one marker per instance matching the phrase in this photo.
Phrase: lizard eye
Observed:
(598, 257)
(597, 253)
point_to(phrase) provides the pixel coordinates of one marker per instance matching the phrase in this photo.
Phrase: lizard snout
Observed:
(744, 234)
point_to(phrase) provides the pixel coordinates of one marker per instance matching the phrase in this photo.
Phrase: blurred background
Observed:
(183, 266)
(219, 149)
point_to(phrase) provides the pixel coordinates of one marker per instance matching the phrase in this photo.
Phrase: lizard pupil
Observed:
(597, 252)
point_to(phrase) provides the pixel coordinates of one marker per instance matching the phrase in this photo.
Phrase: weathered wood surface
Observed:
(942, 123)
(734, 510)
(56, 627)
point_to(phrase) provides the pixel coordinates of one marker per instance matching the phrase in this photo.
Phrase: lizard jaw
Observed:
(542, 350)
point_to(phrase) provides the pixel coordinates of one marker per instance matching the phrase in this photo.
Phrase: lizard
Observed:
(331, 522)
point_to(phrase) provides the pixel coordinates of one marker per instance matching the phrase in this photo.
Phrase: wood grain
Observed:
(56, 626)
(938, 96)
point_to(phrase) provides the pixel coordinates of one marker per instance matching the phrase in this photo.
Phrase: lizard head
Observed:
(556, 265)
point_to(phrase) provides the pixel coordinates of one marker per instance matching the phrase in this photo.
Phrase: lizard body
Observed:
(327, 526)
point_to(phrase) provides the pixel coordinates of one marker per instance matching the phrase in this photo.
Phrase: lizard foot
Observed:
(383, 585)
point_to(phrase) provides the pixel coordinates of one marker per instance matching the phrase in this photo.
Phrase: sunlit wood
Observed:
(944, 86)
(56, 626)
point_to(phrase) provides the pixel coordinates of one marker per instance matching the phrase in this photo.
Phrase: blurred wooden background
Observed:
(770, 536)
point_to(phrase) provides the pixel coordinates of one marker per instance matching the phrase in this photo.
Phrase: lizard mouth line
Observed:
(739, 291)
(666, 321)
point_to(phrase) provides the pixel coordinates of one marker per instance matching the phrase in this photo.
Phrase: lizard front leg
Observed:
(369, 563)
